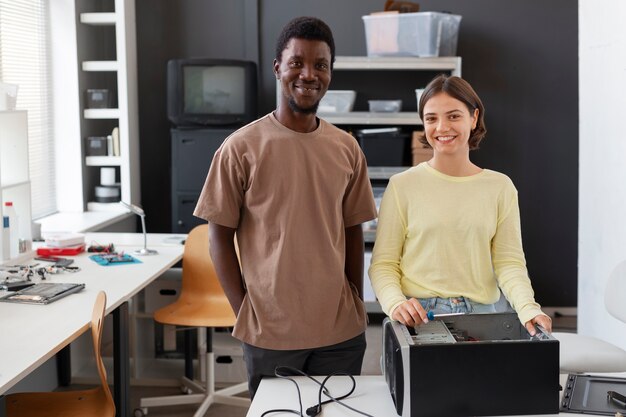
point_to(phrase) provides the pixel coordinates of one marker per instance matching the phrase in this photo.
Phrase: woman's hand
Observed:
(542, 320)
(410, 313)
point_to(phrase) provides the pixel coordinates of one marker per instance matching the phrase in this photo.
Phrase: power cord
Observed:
(316, 409)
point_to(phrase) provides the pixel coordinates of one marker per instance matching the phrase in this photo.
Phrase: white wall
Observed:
(67, 137)
(602, 173)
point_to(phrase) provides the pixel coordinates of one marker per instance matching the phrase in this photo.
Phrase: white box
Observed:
(229, 364)
(61, 240)
(423, 34)
(163, 291)
(337, 101)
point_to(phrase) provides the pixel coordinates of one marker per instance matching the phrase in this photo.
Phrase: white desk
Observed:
(370, 396)
(32, 334)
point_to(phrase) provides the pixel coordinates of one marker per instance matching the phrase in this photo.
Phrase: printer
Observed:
(471, 365)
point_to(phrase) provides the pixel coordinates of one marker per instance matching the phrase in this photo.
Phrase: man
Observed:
(295, 190)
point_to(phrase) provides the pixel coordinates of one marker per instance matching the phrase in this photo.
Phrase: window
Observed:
(25, 61)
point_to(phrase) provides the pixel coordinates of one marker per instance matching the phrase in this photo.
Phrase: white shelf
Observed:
(371, 118)
(100, 66)
(111, 53)
(15, 183)
(112, 207)
(7, 186)
(401, 63)
(103, 161)
(448, 63)
(384, 173)
(81, 222)
(98, 19)
(102, 113)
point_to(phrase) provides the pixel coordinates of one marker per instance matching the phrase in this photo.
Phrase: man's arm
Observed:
(354, 257)
(224, 256)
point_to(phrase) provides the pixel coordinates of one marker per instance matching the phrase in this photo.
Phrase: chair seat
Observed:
(87, 403)
(580, 354)
(197, 312)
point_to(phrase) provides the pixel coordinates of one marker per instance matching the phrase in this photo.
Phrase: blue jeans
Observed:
(455, 305)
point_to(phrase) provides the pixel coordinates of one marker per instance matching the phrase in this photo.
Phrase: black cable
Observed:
(286, 410)
(316, 409)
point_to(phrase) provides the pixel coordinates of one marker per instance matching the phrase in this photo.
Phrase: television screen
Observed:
(211, 92)
(216, 90)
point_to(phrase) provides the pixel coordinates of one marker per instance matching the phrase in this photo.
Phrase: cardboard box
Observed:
(419, 152)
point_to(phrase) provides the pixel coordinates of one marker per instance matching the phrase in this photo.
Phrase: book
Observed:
(115, 135)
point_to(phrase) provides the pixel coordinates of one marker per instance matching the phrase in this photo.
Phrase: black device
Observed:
(43, 293)
(594, 394)
(62, 262)
(211, 92)
(15, 285)
(192, 153)
(471, 365)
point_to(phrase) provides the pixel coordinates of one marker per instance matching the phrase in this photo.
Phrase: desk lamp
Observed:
(139, 211)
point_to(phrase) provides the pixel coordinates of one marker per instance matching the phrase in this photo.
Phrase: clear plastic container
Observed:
(385, 106)
(98, 98)
(337, 101)
(423, 34)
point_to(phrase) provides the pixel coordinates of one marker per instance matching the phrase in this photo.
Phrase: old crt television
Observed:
(211, 92)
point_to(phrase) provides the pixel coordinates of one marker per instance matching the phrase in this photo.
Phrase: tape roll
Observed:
(107, 176)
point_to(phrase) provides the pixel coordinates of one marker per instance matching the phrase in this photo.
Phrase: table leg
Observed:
(121, 361)
(64, 366)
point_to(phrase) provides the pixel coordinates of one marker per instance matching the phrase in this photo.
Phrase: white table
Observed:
(370, 396)
(32, 334)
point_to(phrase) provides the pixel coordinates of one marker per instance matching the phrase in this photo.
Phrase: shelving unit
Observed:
(382, 78)
(14, 175)
(106, 51)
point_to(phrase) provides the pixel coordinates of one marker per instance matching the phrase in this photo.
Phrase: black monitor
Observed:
(211, 92)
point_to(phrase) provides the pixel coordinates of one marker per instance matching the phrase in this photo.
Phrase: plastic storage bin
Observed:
(385, 106)
(98, 98)
(96, 146)
(385, 146)
(337, 101)
(423, 34)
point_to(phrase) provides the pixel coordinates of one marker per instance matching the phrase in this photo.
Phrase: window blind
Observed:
(25, 61)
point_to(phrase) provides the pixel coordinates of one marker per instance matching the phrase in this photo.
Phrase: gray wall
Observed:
(520, 55)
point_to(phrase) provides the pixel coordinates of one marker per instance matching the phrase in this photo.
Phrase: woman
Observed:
(448, 233)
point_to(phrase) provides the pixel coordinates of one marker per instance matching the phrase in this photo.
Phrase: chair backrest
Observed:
(615, 292)
(199, 276)
(97, 323)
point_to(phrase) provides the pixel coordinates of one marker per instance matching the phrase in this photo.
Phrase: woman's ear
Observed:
(475, 117)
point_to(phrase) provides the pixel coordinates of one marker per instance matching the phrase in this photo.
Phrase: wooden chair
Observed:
(203, 304)
(97, 402)
(579, 353)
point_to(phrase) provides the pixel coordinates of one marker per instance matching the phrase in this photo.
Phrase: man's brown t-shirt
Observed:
(290, 196)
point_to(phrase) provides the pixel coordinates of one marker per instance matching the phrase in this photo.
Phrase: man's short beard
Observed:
(311, 110)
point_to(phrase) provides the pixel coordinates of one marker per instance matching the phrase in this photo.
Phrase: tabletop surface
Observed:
(31, 334)
(371, 396)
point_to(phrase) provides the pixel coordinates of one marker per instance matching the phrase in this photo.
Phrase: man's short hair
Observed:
(310, 28)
